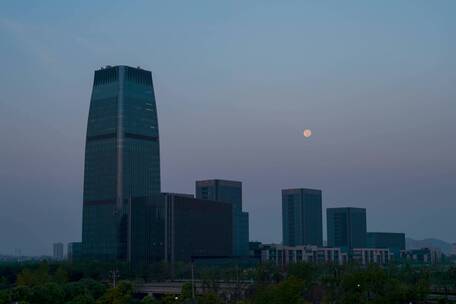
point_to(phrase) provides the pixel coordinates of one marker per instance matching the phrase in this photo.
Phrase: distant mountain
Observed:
(433, 243)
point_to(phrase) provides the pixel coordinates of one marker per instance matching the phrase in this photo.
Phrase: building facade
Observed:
(57, 250)
(173, 227)
(74, 251)
(197, 228)
(395, 242)
(230, 192)
(122, 157)
(283, 255)
(302, 217)
(366, 256)
(430, 256)
(346, 227)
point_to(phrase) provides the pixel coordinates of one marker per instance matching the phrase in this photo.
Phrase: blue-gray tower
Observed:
(122, 156)
(302, 217)
(346, 227)
(229, 192)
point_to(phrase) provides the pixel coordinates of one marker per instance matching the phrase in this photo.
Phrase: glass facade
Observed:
(346, 227)
(230, 192)
(395, 242)
(146, 229)
(174, 227)
(197, 227)
(302, 217)
(122, 156)
(244, 234)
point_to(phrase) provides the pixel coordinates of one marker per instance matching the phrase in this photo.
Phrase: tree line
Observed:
(92, 283)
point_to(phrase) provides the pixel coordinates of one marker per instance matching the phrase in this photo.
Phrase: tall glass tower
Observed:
(302, 217)
(122, 156)
(346, 227)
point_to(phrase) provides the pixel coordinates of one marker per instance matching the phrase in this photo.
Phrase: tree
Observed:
(95, 288)
(170, 299)
(25, 278)
(82, 299)
(21, 294)
(149, 300)
(303, 271)
(186, 292)
(209, 298)
(267, 273)
(306, 272)
(289, 291)
(452, 276)
(39, 276)
(122, 294)
(3, 282)
(5, 297)
(60, 275)
(49, 293)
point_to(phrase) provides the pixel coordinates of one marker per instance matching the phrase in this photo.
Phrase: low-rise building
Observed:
(284, 255)
(255, 250)
(366, 256)
(422, 256)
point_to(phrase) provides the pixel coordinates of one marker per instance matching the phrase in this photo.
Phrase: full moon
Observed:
(307, 133)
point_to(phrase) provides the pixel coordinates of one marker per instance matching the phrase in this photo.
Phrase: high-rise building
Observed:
(175, 227)
(57, 249)
(73, 250)
(395, 242)
(122, 157)
(346, 227)
(302, 217)
(230, 192)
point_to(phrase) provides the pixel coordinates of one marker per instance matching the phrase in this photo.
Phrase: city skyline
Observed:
(235, 91)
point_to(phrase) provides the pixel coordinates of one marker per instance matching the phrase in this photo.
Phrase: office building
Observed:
(366, 256)
(74, 251)
(302, 217)
(346, 227)
(174, 227)
(255, 250)
(122, 157)
(57, 249)
(395, 242)
(429, 256)
(284, 255)
(197, 227)
(230, 192)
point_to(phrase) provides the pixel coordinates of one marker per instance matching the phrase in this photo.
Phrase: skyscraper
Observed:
(122, 156)
(230, 192)
(302, 217)
(346, 227)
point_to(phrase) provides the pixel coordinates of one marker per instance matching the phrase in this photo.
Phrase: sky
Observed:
(236, 84)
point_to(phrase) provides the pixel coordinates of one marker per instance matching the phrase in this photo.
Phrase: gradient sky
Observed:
(236, 84)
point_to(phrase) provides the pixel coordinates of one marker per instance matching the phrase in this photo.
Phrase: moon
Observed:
(307, 133)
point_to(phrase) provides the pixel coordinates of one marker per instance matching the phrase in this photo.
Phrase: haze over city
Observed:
(236, 85)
